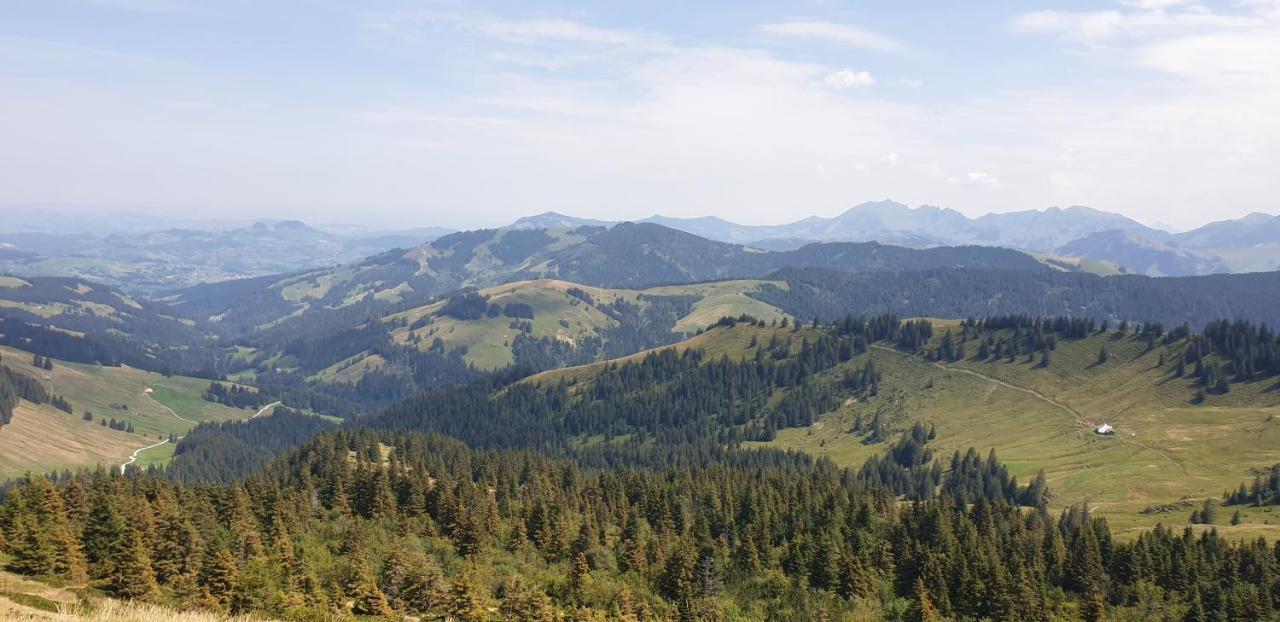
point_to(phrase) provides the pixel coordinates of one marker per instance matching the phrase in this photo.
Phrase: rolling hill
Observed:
(88, 322)
(148, 408)
(539, 324)
(1169, 452)
(628, 256)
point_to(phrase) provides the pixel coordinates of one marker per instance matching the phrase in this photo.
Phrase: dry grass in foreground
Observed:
(111, 611)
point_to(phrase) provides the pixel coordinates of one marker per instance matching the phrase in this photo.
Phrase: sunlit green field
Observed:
(44, 438)
(1167, 456)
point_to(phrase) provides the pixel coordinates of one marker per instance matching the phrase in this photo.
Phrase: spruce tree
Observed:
(522, 603)
(921, 608)
(1094, 608)
(132, 575)
(219, 574)
(464, 602)
(579, 577)
(105, 535)
(424, 591)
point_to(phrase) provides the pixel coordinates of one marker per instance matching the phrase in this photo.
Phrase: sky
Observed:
(467, 114)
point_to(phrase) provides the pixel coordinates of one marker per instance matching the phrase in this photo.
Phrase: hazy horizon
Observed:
(173, 218)
(402, 113)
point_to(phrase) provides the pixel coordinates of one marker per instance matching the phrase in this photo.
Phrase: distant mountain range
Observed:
(1249, 244)
(173, 258)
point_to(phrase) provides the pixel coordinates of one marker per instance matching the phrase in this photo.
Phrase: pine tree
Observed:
(1196, 611)
(464, 599)
(132, 575)
(522, 603)
(1085, 569)
(30, 548)
(392, 578)
(467, 535)
(579, 577)
(104, 536)
(921, 609)
(219, 574)
(854, 579)
(1094, 608)
(423, 591)
(176, 550)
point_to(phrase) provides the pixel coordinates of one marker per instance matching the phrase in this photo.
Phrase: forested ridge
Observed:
(956, 292)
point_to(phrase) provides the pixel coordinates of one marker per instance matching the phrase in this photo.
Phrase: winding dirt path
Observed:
(134, 456)
(1075, 414)
(171, 411)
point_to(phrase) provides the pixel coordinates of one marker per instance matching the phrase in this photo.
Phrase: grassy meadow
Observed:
(1167, 456)
(42, 438)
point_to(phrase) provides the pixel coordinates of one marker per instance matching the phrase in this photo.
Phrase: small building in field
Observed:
(1105, 430)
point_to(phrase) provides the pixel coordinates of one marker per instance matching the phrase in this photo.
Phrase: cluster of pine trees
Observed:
(1263, 490)
(15, 386)
(233, 395)
(465, 306)
(384, 524)
(1252, 351)
(668, 398)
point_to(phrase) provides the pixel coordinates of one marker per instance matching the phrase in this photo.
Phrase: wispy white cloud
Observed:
(977, 178)
(1142, 19)
(832, 32)
(524, 31)
(848, 79)
(572, 114)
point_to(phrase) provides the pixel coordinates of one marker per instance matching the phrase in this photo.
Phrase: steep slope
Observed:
(877, 382)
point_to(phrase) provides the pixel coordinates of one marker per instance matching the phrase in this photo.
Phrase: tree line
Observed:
(378, 523)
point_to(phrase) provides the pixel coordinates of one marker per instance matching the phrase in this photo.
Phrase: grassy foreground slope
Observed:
(42, 438)
(25, 600)
(1167, 456)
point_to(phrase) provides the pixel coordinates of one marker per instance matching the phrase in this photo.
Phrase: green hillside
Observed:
(628, 255)
(560, 315)
(42, 438)
(1168, 453)
(571, 324)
